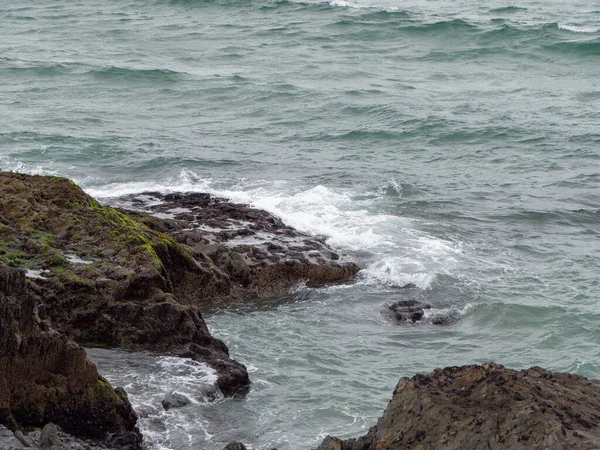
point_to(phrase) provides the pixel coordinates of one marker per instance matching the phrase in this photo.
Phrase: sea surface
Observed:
(453, 145)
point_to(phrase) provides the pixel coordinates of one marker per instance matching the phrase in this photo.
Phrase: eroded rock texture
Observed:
(251, 254)
(108, 277)
(486, 407)
(46, 377)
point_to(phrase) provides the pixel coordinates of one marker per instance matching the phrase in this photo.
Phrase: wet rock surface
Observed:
(103, 278)
(235, 446)
(139, 279)
(46, 377)
(488, 406)
(175, 400)
(409, 310)
(251, 253)
(50, 437)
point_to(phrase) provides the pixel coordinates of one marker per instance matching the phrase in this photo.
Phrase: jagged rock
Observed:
(46, 377)
(174, 400)
(103, 278)
(488, 406)
(256, 254)
(8, 439)
(409, 310)
(107, 277)
(58, 441)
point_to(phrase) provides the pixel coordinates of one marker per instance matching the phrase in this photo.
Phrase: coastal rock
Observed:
(174, 400)
(487, 406)
(251, 253)
(107, 277)
(103, 278)
(46, 377)
(235, 446)
(409, 310)
(56, 440)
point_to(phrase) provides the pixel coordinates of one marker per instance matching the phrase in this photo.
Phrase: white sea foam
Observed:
(74, 259)
(392, 249)
(36, 274)
(577, 28)
(446, 315)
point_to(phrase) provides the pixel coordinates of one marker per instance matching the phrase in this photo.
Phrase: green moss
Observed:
(43, 237)
(53, 259)
(14, 258)
(72, 279)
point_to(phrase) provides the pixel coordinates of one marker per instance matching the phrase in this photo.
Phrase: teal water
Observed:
(450, 144)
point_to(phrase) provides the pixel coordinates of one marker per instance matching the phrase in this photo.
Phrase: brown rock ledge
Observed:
(486, 407)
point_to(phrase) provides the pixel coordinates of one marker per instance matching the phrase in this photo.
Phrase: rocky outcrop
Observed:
(249, 253)
(139, 279)
(235, 446)
(46, 377)
(409, 310)
(488, 406)
(50, 437)
(103, 278)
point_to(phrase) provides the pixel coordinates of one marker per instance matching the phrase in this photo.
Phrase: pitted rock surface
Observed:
(257, 254)
(486, 407)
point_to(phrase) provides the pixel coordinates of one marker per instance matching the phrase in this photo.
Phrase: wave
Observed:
(576, 48)
(149, 379)
(575, 218)
(577, 29)
(135, 74)
(54, 68)
(442, 27)
(507, 9)
(394, 251)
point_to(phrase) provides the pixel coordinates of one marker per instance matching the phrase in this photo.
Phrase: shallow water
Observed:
(446, 144)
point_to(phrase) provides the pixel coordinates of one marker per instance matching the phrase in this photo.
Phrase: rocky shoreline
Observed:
(138, 275)
(74, 272)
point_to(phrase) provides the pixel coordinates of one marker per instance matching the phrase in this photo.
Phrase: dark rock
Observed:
(409, 310)
(175, 400)
(486, 406)
(256, 253)
(235, 446)
(108, 277)
(46, 377)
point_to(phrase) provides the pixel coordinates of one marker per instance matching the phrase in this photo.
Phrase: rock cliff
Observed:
(46, 377)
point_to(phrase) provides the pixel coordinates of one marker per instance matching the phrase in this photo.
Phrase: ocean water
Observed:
(450, 144)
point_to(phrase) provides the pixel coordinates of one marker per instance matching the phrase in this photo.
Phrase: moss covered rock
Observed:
(103, 278)
(46, 377)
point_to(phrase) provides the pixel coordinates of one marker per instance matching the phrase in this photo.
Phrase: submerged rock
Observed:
(409, 310)
(488, 406)
(235, 446)
(175, 400)
(46, 377)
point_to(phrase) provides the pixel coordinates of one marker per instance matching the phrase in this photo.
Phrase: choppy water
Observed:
(449, 144)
